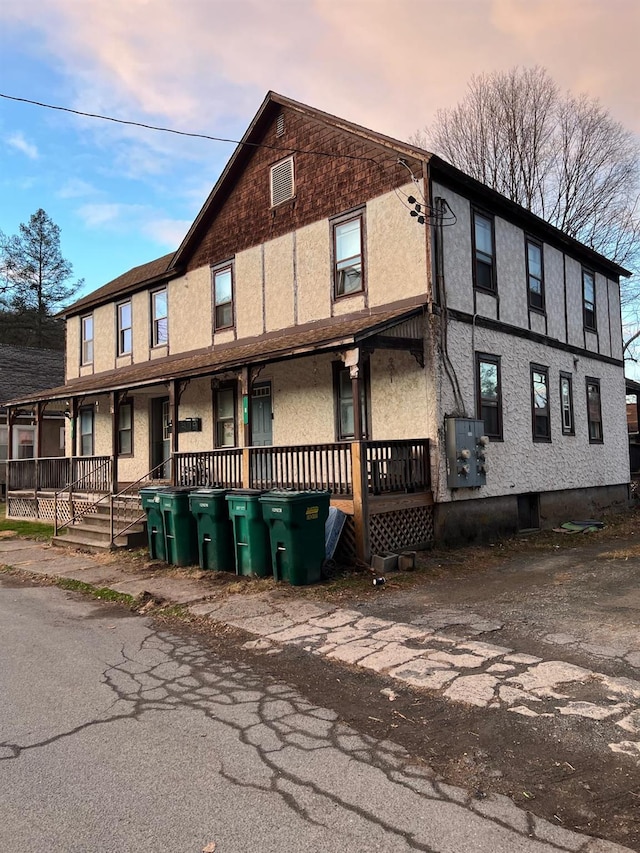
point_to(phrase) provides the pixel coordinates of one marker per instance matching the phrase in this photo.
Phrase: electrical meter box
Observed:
(466, 446)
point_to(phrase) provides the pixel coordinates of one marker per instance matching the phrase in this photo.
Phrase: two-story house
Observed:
(342, 313)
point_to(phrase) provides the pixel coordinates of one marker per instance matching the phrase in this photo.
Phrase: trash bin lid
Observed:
(246, 492)
(178, 490)
(213, 492)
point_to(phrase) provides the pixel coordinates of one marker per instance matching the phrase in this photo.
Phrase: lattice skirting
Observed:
(346, 551)
(22, 508)
(411, 527)
(634, 488)
(43, 508)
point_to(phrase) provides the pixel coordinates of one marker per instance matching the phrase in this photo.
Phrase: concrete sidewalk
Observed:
(416, 654)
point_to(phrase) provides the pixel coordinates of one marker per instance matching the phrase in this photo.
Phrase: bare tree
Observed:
(35, 277)
(563, 157)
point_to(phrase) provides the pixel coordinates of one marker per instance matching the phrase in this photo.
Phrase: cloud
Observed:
(107, 214)
(76, 188)
(167, 232)
(18, 141)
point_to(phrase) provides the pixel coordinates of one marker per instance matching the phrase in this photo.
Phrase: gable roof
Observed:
(171, 265)
(25, 370)
(135, 279)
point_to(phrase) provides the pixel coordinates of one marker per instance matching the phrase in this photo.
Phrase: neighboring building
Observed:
(331, 264)
(24, 370)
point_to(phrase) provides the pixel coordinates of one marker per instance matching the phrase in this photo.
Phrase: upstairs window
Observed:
(566, 403)
(594, 411)
(589, 300)
(348, 261)
(489, 394)
(484, 268)
(223, 297)
(159, 319)
(632, 416)
(86, 354)
(124, 328)
(535, 275)
(282, 181)
(541, 420)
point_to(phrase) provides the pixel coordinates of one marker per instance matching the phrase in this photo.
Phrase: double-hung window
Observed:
(4, 443)
(484, 267)
(86, 431)
(566, 403)
(124, 328)
(489, 394)
(535, 275)
(594, 411)
(343, 391)
(589, 300)
(348, 266)
(86, 354)
(125, 429)
(159, 318)
(540, 416)
(223, 297)
(225, 415)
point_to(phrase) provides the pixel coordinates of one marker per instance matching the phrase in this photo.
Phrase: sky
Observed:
(123, 196)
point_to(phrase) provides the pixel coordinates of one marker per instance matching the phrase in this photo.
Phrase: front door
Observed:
(261, 420)
(160, 437)
(261, 433)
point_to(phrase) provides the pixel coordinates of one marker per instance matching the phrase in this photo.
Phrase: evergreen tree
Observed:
(36, 282)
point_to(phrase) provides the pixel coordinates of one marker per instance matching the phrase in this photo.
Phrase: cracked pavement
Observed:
(257, 766)
(438, 651)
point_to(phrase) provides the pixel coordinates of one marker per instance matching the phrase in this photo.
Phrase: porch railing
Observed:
(95, 476)
(398, 466)
(303, 466)
(55, 473)
(221, 468)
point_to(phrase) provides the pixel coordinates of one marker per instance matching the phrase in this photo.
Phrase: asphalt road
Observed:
(116, 735)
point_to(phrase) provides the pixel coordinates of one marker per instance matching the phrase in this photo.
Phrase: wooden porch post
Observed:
(74, 438)
(37, 449)
(174, 402)
(115, 422)
(245, 395)
(11, 417)
(360, 485)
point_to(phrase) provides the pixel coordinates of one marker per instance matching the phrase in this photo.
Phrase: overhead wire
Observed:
(191, 134)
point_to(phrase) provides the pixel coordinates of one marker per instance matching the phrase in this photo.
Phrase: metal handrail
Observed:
(122, 492)
(69, 486)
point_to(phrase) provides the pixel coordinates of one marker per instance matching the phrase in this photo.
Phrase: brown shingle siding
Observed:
(324, 186)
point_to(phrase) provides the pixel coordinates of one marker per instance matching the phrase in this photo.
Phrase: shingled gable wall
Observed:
(325, 186)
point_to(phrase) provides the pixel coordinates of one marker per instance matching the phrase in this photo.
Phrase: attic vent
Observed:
(280, 125)
(282, 187)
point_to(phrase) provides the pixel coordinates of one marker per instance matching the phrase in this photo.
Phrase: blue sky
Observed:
(123, 196)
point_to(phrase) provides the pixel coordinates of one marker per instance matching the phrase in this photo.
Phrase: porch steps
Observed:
(93, 531)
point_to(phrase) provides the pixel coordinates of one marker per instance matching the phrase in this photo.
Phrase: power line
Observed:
(161, 129)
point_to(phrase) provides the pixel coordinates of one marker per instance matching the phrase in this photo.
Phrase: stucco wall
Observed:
(518, 464)
(72, 353)
(190, 321)
(399, 407)
(280, 292)
(249, 297)
(313, 270)
(396, 249)
(563, 318)
(302, 398)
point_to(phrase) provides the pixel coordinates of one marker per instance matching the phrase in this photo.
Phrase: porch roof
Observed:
(331, 334)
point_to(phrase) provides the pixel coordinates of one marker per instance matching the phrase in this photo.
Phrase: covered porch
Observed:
(261, 416)
(384, 487)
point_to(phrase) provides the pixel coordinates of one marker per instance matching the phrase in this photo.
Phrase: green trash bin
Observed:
(150, 498)
(297, 533)
(215, 532)
(250, 533)
(181, 542)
